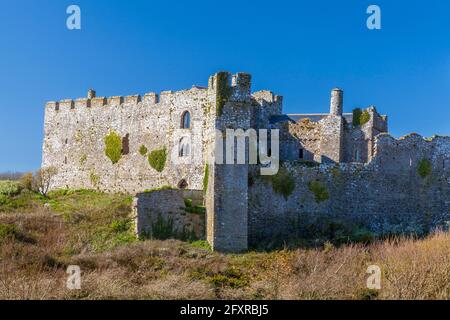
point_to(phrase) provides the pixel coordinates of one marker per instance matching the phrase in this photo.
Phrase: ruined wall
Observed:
(385, 196)
(167, 208)
(75, 134)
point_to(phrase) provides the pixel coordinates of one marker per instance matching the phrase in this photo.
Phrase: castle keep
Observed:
(335, 169)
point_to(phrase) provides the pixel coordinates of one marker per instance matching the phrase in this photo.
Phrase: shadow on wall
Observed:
(170, 214)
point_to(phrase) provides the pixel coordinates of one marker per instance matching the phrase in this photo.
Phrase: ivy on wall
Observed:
(223, 91)
(360, 118)
(320, 191)
(143, 150)
(283, 183)
(206, 179)
(113, 147)
(157, 159)
(424, 168)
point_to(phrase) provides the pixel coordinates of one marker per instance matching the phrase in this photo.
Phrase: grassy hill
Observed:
(40, 237)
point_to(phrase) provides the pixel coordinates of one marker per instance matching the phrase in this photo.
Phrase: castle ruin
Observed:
(333, 167)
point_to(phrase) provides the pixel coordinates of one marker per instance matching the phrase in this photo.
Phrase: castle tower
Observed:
(227, 194)
(337, 102)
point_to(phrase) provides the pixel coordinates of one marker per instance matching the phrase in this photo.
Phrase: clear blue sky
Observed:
(299, 49)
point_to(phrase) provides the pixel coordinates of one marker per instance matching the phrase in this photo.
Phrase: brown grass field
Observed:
(40, 238)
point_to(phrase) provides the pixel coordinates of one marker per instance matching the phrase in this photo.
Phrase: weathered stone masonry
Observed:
(370, 178)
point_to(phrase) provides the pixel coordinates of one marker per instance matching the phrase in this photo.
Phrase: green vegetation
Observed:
(162, 229)
(360, 118)
(143, 150)
(157, 159)
(83, 160)
(8, 231)
(9, 188)
(365, 117)
(190, 208)
(320, 191)
(424, 168)
(160, 189)
(206, 179)
(202, 244)
(95, 179)
(223, 91)
(356, 116)
(113, 147)
(282, 183)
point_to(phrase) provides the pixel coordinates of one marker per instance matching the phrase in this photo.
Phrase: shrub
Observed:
(157, 159)
(113, 147)
(320, 191)
(424, 168)
(223, 92)
(143, 150)
(9, 188)
(26, 181)
(119, 226)
(7, 231)
(42, 180)
(356, 116)
(163, 229)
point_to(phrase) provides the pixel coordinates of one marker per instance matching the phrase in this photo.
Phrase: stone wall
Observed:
(75, 134)
(386, 196)
(168, 207)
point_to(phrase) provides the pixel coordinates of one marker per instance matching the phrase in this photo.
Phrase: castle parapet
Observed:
(134, 99)
(115, 101)
(151, 98)
(99, 102)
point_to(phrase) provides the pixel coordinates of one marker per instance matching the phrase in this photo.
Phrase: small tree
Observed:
(43, 178)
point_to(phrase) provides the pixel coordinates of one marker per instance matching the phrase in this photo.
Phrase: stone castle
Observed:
(335, 169)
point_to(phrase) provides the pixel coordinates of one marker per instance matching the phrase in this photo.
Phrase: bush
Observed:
(42, 180)
(424, 169)
(360, 118)
(26, 181)
(113, 147)
(223, 91)
(9, 188)
(157, 159)
(8, 231)
(365, 117)
(320, 191)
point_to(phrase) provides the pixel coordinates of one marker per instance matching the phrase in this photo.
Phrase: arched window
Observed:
(182, 184)
(184, 147)
(186, 120)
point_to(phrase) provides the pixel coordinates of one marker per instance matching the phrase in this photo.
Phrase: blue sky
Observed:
(299, 49)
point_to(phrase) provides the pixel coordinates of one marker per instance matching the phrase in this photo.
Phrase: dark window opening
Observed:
(186, 120)
(301, 154)
(126, 145)
(184, 149)
(67, 140)
(65, 160)
(182, 184)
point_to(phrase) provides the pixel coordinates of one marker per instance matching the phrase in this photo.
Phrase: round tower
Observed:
(337, 102)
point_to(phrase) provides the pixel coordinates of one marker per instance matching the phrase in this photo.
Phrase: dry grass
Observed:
(33, 262)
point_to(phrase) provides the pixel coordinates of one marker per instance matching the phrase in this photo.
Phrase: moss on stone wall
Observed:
(95, 179)
(365, 117)
(83, 160)
(320, 191)
(223, 91)
(113, 147)
(206, 179)
(424, 168)
(143, 150)
(160, 189)
(360, 118)
(157, 159)
(283, 183)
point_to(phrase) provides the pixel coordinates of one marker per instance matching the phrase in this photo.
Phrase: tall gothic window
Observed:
(184, 147)
(186, 120)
